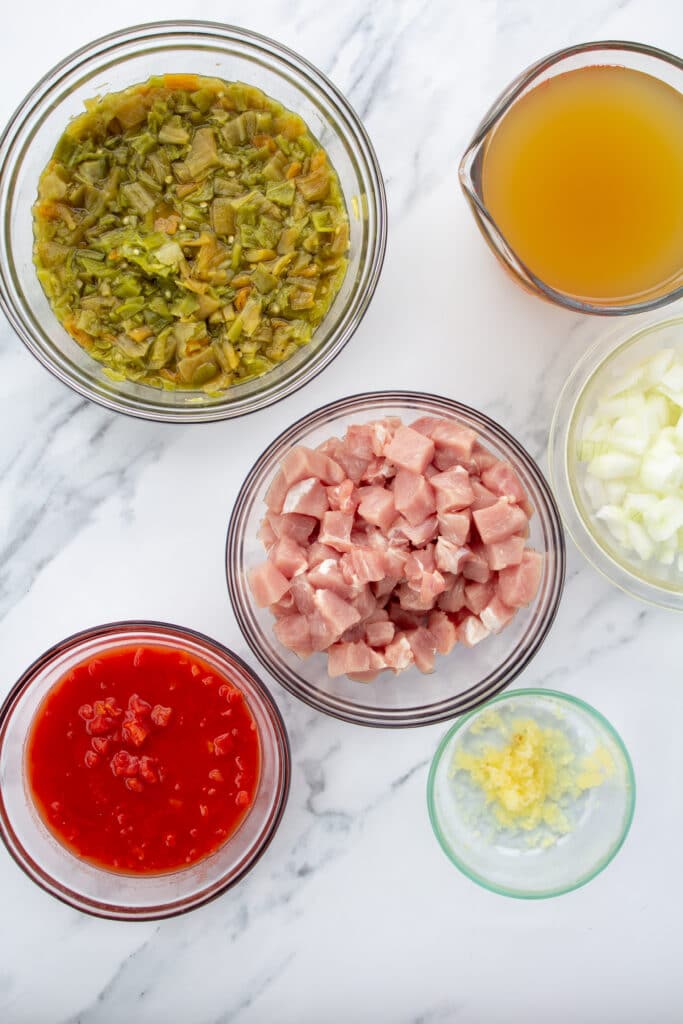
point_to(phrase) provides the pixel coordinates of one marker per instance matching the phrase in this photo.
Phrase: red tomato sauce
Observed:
(143, 759)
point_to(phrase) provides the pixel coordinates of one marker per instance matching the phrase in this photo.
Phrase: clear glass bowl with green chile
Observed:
(190, 233)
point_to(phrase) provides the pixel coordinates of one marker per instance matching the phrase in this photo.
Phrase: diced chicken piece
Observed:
(453, 489)
(354, 634)
(454, 437)
(505, 552)
(476, 567)
(343, 497)
(294, 633)
(472, 631)
(478, 595)
(364, 602)
(289, 557)
(419, 562)
(403, 618)
(450, 557)
(413, 496)
(410, 450)
(337, 614)
(276, 493)
(443, 631)
(369, 440)
(411, 600)
(293, 525)
(300, 463)
(385, 588)
(377, 506)
(483, 497)
(307, 497)
(266, 534)
(267, 584)
(285, 606)
(445, 459)
(323, 634)
(345, 659)
(363, 565)
(455, 526)
(302, 594)
(501, 478)
(496, 615)
(425, 424)
(518, 584)
(336, 531)
(318, 553)
(420, 534)
(423, 646)
(453, 599)
(499, 521)
(378, 471)
(482, 458)
(339, 453)
(398, 655)
(379, 634)
(328, 575)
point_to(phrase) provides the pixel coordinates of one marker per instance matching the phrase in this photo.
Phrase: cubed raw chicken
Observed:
(276, 493)
(472, 631)
(336, 613)
(454, 437)
(294, 632)
(420, 534)
(377, 506)
(307, 497)
(478, 595)
(336, 449)
(450, 557)
(443, 631)
(289, 557)
(410, 450)
(501, 478)
(423, 646)
(398, 655)
(302, 594)
(335, 531)
(293, 525)
(496, 615)
(267, 584)
(300, 463)
(352, 658)
(318, 553)
(455, 526)
(499, 521)
(413, 496)
(379, 634)
(476, 567)
(328, 575)
(343, 497)
(453, 489)
(483, 497)
(518, 584)
(363, 565)
(505, 552)
(453, 598)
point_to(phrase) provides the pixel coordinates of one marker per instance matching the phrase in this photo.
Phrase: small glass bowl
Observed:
(117, 895)
(126, 58)
(514, 862)
(595, 372)
(460, 681)
(639, 57)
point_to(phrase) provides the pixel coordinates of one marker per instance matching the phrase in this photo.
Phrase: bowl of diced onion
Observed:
(616, 460)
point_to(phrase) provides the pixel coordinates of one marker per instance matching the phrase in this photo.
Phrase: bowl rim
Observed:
(591, 363)
(161, 911)
(291, 680)
(589, 711)
(498, 109)
(363, 149)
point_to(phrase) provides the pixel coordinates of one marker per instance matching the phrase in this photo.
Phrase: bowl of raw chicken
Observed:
(395, 558)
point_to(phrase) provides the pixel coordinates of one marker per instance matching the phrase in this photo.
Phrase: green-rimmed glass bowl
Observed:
(532, 864)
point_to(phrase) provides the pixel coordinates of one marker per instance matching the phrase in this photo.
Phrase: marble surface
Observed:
(354, 914)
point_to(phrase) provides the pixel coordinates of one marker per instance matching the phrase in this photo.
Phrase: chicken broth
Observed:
(584, 179)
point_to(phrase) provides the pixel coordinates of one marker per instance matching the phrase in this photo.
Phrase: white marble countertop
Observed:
(354, 914)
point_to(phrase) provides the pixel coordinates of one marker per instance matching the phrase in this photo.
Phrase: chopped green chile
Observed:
(190, 232)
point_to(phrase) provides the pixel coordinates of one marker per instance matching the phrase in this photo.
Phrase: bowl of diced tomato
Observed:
(144, 769)
(395, 558)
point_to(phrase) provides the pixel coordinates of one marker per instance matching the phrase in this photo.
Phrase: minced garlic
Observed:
(534, 776)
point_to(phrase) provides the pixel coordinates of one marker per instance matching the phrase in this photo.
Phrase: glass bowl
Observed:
(636, 56)
(524, 864)
(594, 374)
(460, 681)
(114, 894)
(126, 58)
